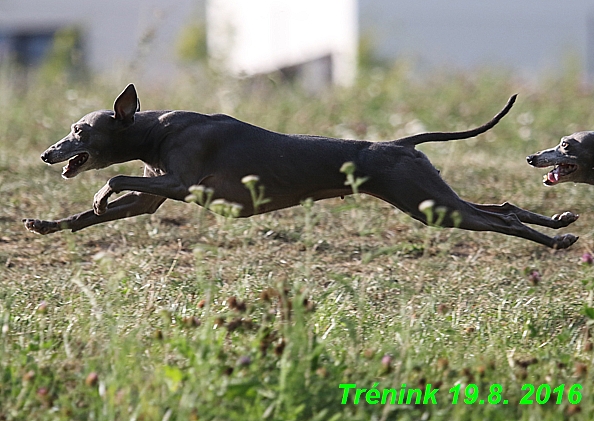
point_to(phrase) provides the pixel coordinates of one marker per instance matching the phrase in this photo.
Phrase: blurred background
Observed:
(315, 43)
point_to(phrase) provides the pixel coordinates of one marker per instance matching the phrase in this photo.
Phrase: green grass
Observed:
(182, 315)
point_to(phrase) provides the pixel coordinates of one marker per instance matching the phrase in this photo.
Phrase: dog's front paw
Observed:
(566, 217)
(565, 240)
(100, 200)
(99, 205)
(41, 227)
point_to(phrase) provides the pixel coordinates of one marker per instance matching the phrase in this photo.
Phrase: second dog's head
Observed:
(572, 159)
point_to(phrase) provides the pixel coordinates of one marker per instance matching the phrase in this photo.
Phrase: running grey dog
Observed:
(181, 149)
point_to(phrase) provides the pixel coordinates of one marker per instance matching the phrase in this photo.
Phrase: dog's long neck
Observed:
(589, 177)
(138, 141)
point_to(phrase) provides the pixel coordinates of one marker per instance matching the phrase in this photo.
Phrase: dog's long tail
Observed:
(411, 141)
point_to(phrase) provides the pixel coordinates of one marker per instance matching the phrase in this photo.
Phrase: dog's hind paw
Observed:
(565, 218)
(41, 227)
(563, 241)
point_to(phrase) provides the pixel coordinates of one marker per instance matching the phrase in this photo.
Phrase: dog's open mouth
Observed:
(554, 176)
(71, 169)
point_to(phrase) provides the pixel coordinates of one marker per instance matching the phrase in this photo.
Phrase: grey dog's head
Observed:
(90, 143)
(572, 160)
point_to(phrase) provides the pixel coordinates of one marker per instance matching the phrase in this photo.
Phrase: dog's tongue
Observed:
(552, 177)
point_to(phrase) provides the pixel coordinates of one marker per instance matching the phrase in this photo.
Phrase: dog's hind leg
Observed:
(469, 216)
(407, 189)
(556, 221)
(511, 224)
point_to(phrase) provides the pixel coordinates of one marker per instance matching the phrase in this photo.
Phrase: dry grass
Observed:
(145, 318)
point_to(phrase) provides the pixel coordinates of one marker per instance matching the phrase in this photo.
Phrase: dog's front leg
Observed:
(39, 226)
(128, 205)
(167, 185)
(101, 197)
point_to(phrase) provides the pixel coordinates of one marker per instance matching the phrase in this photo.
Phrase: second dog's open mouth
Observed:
(74, 164)
(554, 176)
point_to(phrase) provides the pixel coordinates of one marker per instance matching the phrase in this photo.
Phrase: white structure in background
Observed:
(261, 36)
(114, 33)
(530, 37)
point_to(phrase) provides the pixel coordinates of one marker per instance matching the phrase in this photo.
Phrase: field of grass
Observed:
(186, 315)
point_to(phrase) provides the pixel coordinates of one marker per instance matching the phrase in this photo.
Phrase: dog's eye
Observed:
(76, 130)
(565, 144)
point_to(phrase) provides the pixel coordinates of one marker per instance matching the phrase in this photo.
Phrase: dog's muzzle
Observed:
(45, 157)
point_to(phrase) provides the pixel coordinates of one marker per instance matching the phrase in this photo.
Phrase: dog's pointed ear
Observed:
(126, 105)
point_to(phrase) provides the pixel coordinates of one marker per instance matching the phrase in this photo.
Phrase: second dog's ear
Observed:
(126, 105)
